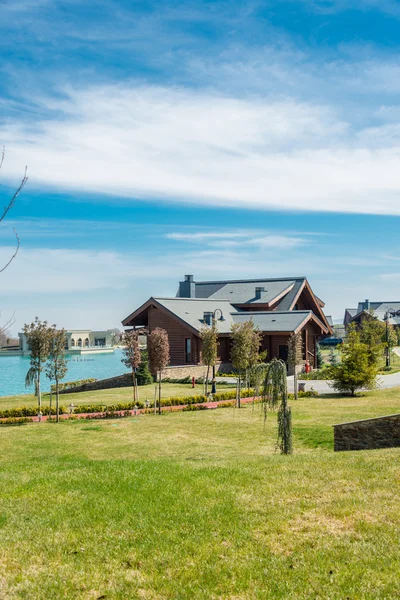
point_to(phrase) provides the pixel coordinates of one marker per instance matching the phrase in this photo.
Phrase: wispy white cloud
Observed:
(141, 142)
(236, 238)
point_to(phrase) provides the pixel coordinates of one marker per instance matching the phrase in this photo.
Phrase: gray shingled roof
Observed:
(191, 310)
(379, 310)
(273, 320)
(243, 291)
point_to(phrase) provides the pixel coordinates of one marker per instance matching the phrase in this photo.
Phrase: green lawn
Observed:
(107, 397)
(199, 506)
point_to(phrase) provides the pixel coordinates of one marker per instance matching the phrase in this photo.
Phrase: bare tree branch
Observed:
(3, 153)
(4, 328)
(16, 194)
(15, 253)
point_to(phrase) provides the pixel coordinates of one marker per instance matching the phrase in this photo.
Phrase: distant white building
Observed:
(79, 341)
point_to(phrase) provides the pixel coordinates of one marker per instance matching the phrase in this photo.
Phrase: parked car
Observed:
(332, 341)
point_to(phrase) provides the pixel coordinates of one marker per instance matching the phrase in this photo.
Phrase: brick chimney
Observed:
(187, 288)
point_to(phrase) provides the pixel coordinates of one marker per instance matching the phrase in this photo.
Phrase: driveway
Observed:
(322, 386)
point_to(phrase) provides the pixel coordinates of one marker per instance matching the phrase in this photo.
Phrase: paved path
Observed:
(322, 386)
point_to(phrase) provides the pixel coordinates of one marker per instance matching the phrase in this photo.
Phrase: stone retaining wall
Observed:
(126, 379)
(382, 432)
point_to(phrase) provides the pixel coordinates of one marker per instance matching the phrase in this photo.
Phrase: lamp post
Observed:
(214, 318)
(389, 313)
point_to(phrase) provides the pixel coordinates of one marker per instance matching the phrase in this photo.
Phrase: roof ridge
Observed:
(250, 280)
(191, 299)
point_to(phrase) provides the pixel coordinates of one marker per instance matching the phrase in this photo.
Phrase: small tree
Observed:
(333, 358)
(275, 395)
(320, 358)
(295, 356)
(209, 351)
(38, 336)
(355, 370)
(158, 349)
(245, 351)
(372, 333)
(132, 357)
(143, 375)
(56, 367)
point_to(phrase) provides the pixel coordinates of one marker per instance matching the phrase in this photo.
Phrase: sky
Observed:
(221, 139)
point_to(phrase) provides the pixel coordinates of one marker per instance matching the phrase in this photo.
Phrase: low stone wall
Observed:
(102, 384)
(126, 379)
(382, 432)
(194, 371)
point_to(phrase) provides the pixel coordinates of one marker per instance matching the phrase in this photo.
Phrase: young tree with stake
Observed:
(132, 357)
(56, 367)
(245, 350)
(38, 336)
(209, 351)
(295, 356)
(158, 350)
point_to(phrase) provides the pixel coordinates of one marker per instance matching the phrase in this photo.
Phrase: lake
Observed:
(100, 366)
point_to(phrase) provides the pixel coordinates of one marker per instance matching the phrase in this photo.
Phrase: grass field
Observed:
(199, 506)
(107, 397)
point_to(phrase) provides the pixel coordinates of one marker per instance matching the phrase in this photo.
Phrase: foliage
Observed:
(275, 395)
(320, 357)
(372, 333)
(318, 374)
(38, 336)
(295, 356)
(143, 375)
(333, 360)
(209, 349)
(132, 357)
(56, 367)
(357, 369)
(245, 349)
(158, 351)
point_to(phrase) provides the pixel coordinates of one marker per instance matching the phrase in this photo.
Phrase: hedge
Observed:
(32, 411)
(70, 384)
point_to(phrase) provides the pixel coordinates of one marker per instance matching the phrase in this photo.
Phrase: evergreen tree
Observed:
(320, 358)
(143, 375)
(275, 395)
(333, 358)
(373, 334)
(355, 371)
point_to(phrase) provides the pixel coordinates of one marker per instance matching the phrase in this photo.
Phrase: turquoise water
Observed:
(14, 368)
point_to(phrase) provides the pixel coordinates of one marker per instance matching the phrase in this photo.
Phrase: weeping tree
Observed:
(275, 396)
(57, 367)
(132, 357)
(209, 350)
(38, 336)
(295, 356)
(158, 351)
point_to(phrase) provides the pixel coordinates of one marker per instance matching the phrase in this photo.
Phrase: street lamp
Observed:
(389, 313)
(214, 318)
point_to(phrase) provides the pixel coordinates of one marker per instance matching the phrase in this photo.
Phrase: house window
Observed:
(80, 342)
(188, 350)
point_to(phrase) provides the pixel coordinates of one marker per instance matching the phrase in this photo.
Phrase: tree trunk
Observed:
(57, 402)
(159, 393)
(51, 398)
(239, 390)
(208, 374)
(133, 385)
(39, 393)
(296, 387)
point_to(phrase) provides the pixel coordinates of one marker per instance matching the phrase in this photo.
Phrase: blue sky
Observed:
(224, 139)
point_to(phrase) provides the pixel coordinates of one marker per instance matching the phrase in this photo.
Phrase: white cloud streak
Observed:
(175, 144)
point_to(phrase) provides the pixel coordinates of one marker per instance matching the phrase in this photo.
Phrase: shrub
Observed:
(70, 384)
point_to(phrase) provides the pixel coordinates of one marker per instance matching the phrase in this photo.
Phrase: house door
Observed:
(283, 353)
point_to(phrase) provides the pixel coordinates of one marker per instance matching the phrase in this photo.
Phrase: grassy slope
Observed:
(198, 505)
(112, 396)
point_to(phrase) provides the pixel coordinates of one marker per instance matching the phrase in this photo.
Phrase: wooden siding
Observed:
(177, 333)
